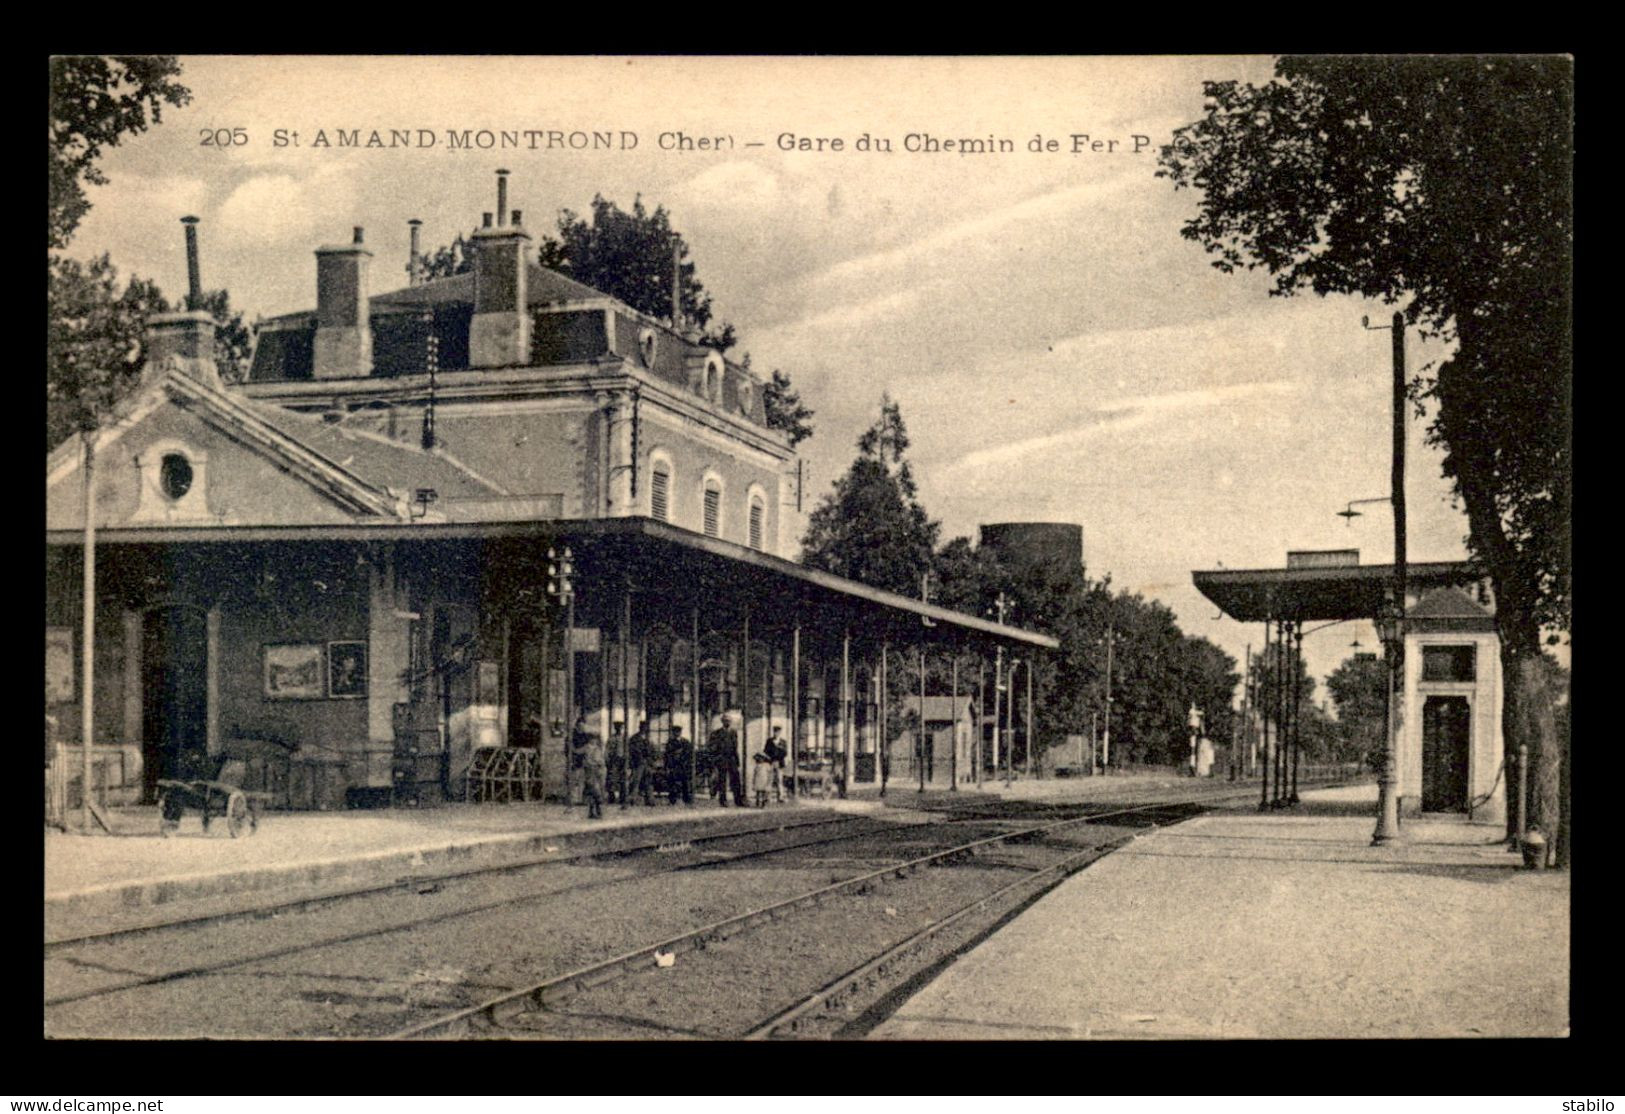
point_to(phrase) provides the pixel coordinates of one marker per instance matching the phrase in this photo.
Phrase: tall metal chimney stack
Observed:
(676, 286)
(414, 266)
(502, 199)
(194, 280)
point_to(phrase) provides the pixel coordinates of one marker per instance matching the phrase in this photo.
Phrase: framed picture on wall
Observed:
(346, 670)
(293, 671)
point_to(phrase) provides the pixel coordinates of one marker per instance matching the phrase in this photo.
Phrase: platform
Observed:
(1284, 925)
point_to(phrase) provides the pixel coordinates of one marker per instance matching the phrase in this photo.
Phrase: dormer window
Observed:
(744, 396)
(175, 476)
(713, 377)
(646, 347)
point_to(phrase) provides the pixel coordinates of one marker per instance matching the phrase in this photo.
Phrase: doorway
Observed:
(1446, 735)
(175, 700)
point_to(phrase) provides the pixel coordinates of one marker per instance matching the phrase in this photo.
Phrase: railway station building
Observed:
(339, 569)
(1450, 743)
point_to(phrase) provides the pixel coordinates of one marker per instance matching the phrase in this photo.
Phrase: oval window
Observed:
(175, 475)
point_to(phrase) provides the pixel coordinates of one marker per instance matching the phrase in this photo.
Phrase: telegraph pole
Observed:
(1388, 783)
(87, 702)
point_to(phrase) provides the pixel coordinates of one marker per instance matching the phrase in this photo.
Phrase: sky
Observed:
(1058, 350)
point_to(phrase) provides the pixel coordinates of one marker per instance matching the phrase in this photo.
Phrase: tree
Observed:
(95, 347)
(453, 259)
(785, 410)
(872, 528)
(95, 102)
(1359, 691)
(1443, 184)
(630, 256)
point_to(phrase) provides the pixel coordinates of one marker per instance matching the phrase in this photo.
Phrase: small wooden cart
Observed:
(220, 795)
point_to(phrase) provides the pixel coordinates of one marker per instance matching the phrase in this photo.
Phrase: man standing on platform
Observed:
(777, 752)
(679, 764)
(724, 748)
(640, 756)
(616, 767)
(592, 769)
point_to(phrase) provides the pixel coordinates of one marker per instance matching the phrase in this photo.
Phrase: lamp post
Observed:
(1195, 721)
(1390, 628)
(1394, 617)
(1106, 734)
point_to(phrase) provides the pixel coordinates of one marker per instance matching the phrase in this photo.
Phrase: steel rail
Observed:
(323, 897)
(513, 1003)
(835, 994)
(468, 911)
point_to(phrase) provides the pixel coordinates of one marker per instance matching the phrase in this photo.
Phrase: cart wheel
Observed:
(236, 814)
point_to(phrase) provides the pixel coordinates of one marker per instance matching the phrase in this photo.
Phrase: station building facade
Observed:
(340, 567)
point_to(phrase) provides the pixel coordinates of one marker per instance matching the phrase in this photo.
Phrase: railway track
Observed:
(362, 963)
(686, 855)
(524, 1011)
(312, 900)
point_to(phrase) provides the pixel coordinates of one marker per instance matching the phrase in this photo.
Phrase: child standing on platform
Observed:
(761, 779)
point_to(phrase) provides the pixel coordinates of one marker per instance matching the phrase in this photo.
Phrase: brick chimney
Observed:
(500, 333)
(343, 335)
(185, 341)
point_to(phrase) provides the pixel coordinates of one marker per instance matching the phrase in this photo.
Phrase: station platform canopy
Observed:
(665, 565)
(1323, 593)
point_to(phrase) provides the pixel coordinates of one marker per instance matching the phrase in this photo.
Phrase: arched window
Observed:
(758, 512)
(646, 347)
(660, 491)
(713, 506)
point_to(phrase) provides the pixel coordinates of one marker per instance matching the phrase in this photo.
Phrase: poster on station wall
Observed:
(293, 671)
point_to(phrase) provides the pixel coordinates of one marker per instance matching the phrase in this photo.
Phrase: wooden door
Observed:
(1446, 735)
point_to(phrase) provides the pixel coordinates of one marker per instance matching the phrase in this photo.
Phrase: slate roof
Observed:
(1315, 595)
(544, 286)
(374, 459)
(1447, 603)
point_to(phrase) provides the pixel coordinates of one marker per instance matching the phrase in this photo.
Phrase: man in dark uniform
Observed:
(724, 748)
(615, 769)
(679, 764)
(640, 755)
(777, 752)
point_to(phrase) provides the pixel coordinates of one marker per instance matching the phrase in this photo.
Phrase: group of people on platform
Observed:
(627, 772)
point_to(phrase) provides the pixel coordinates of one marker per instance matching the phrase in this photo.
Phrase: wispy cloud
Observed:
(881, 307)
(1045, 207)
(1118, 416)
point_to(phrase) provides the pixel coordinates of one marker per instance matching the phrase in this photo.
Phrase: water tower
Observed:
(1030, 546)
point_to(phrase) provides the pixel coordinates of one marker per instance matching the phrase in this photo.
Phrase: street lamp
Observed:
(1349, 514)
(1391, 629)
(1106, 736)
